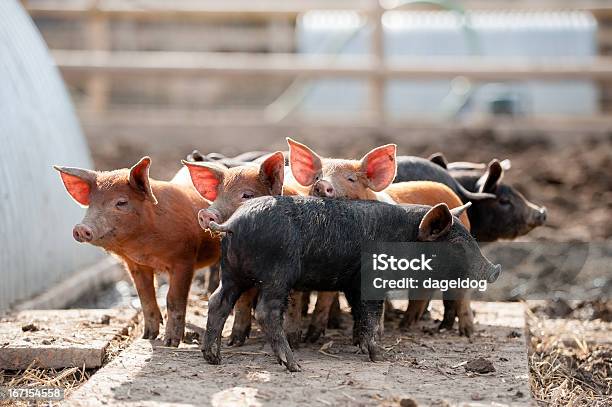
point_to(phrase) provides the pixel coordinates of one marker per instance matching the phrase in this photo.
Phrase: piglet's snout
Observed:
(494, 273)
(205, 217)
(541, 216)
(82, 233)
(324, 189)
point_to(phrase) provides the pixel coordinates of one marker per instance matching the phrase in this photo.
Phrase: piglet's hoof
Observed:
(293, 367)
(211, 357)
(426, 316)
(294, 339)
(172, 342)
(313, 334)
(466, 329)
(446, 325)
(288, 361)
(150, 333)
(406, 323)
(374, 352)
(237, 338)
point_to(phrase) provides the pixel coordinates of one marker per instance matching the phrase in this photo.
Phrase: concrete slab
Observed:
(60, 338)
(421, 365)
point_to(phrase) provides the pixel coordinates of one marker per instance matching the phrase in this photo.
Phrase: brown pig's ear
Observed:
(139, 178)
(380, 167)
(436, 223)
(78, 183)
(206, 178)
(305, 164)
(272, 172)
(439, 159)
(489, 181)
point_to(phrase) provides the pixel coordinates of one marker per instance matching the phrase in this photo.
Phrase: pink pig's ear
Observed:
(206, 178)
(272, 172)
(139, 178)
(78, 183)
(305, 164)
(379, 166)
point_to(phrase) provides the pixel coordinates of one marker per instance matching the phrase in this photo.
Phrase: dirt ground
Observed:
(425, 367)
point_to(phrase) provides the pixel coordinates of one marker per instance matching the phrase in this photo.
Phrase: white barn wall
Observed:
(38, 128)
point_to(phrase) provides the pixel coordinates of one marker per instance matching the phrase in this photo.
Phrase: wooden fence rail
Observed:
(98, 63)
(271, 9)
(125, 63)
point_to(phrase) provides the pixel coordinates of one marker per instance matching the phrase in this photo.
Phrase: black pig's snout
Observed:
(82, 233)
(494, 274)
(541, 216)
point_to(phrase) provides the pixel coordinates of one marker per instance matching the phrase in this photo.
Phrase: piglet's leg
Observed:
(371, 313)
(293, 319)
(353, 299)
(450, 313)
(242, 318)
(143, 278)
(219, 307)
(320, 315)
(416, 308)
(335, 315)
(213, 278)
(465, 315)
(269, 315)
(180, 282)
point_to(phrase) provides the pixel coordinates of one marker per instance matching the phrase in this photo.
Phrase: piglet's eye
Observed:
(504, 201)
(351, 178)
(248, 195)
(121, 203)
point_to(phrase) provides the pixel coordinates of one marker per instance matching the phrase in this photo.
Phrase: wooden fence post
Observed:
(377, 82)
(97, 37)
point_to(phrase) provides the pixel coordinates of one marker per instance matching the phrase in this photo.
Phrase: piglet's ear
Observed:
(78, 183)
(206, 178)
(489, 181)
(439, 159)
(305, 164)
(379, 166)
(460, 210)
(139, 178)
(436, 223)
(272, 172)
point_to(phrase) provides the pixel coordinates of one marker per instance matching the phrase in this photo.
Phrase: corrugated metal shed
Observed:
(38, 128)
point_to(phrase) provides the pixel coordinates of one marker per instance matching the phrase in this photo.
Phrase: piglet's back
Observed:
(309, 221)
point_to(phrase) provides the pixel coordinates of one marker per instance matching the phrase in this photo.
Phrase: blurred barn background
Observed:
(156, 76)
